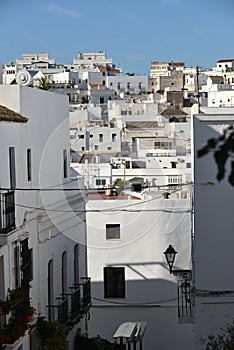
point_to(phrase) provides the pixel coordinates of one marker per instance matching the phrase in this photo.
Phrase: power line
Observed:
(146, 304)
(97, 210)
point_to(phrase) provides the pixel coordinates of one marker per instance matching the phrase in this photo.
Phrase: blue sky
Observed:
(132, 32)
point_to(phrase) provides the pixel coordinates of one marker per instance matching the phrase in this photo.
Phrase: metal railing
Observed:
(72, 306)
(86, 294)
(7, 211)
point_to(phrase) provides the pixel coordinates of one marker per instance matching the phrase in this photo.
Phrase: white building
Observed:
(213, 239)
(126, 238)
(97, 140)
(89, 60)
(35, 60)
(127, 84)
(225, 65)
(42, 240)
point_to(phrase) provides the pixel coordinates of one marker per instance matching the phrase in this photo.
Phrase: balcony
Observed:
(72, 306)
(7, 211)
(86, 294)
(185, 309)
(59, 312)
(16, 316)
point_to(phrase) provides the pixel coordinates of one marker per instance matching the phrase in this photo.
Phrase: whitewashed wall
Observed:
(213, 243)
(144, 236)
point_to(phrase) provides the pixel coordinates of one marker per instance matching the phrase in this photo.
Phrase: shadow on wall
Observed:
(152, 301)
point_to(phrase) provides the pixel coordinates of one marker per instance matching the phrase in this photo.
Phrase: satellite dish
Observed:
(23, 77)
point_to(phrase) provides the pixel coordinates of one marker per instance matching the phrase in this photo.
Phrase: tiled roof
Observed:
(107, 69)
(216, 77)
(173, 111)
(8, 115)
(226, 60)
(96, 85)
(141, 125)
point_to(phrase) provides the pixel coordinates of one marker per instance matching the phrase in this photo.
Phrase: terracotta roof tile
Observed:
(8, 115)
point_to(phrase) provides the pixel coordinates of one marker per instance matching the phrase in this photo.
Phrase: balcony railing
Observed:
(7, 211)
(59, 312)
(72, 306)
(86, 294)
(185, 308)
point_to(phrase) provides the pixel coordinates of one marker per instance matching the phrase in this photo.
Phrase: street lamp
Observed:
(170, 254)
(184, 285)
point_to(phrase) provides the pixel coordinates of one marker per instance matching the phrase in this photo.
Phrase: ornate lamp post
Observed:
(170, 254)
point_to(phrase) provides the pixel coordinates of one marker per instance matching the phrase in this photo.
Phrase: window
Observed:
(109, 148)
(81, 136)
(175, 180)
(16, 258)
(64, 163)
(118, 86)
(96, 147)
(76, 264)
(100, 137)
(29, 166)
(50, 291)
(114, 137)
(12, 167)
(90, 135)
(64, 273)
(139, 85)
(100, 182)
(128, 86)
(114, 282)
(111, 84)
(26, 263)
(112, 231)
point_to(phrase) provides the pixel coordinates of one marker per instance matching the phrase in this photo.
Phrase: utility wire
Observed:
(97, 210)
(146, 304)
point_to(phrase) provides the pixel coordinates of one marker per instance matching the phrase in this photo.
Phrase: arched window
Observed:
(50, 289)
(64, 272)
(76, 264)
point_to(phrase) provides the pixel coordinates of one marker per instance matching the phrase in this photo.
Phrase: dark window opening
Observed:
(114, 282)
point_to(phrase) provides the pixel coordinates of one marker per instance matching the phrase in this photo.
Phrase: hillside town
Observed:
(112, 230)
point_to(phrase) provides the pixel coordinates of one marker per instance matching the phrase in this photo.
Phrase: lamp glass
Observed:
(170, 254)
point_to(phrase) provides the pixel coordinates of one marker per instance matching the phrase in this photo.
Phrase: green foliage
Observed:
(43, 83)
(96, 343)
(223, 341)
(223, 148)
(52, 335)
(119, 183)
(18, 324)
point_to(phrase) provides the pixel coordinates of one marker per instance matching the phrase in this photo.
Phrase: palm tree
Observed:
(43, 83)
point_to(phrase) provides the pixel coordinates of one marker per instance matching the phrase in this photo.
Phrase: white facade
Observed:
(35, 167)
(89, 60)
(150, 291)
(35, 60)
(213, 239)
(97, 140)
(221, 97)
(130, 84)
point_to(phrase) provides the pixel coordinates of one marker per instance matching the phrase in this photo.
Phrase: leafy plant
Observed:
(43, 83)
(223, 341)
(223, 148)
(18, 322)
(82, 342)
(119, 182)
(52, 335)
